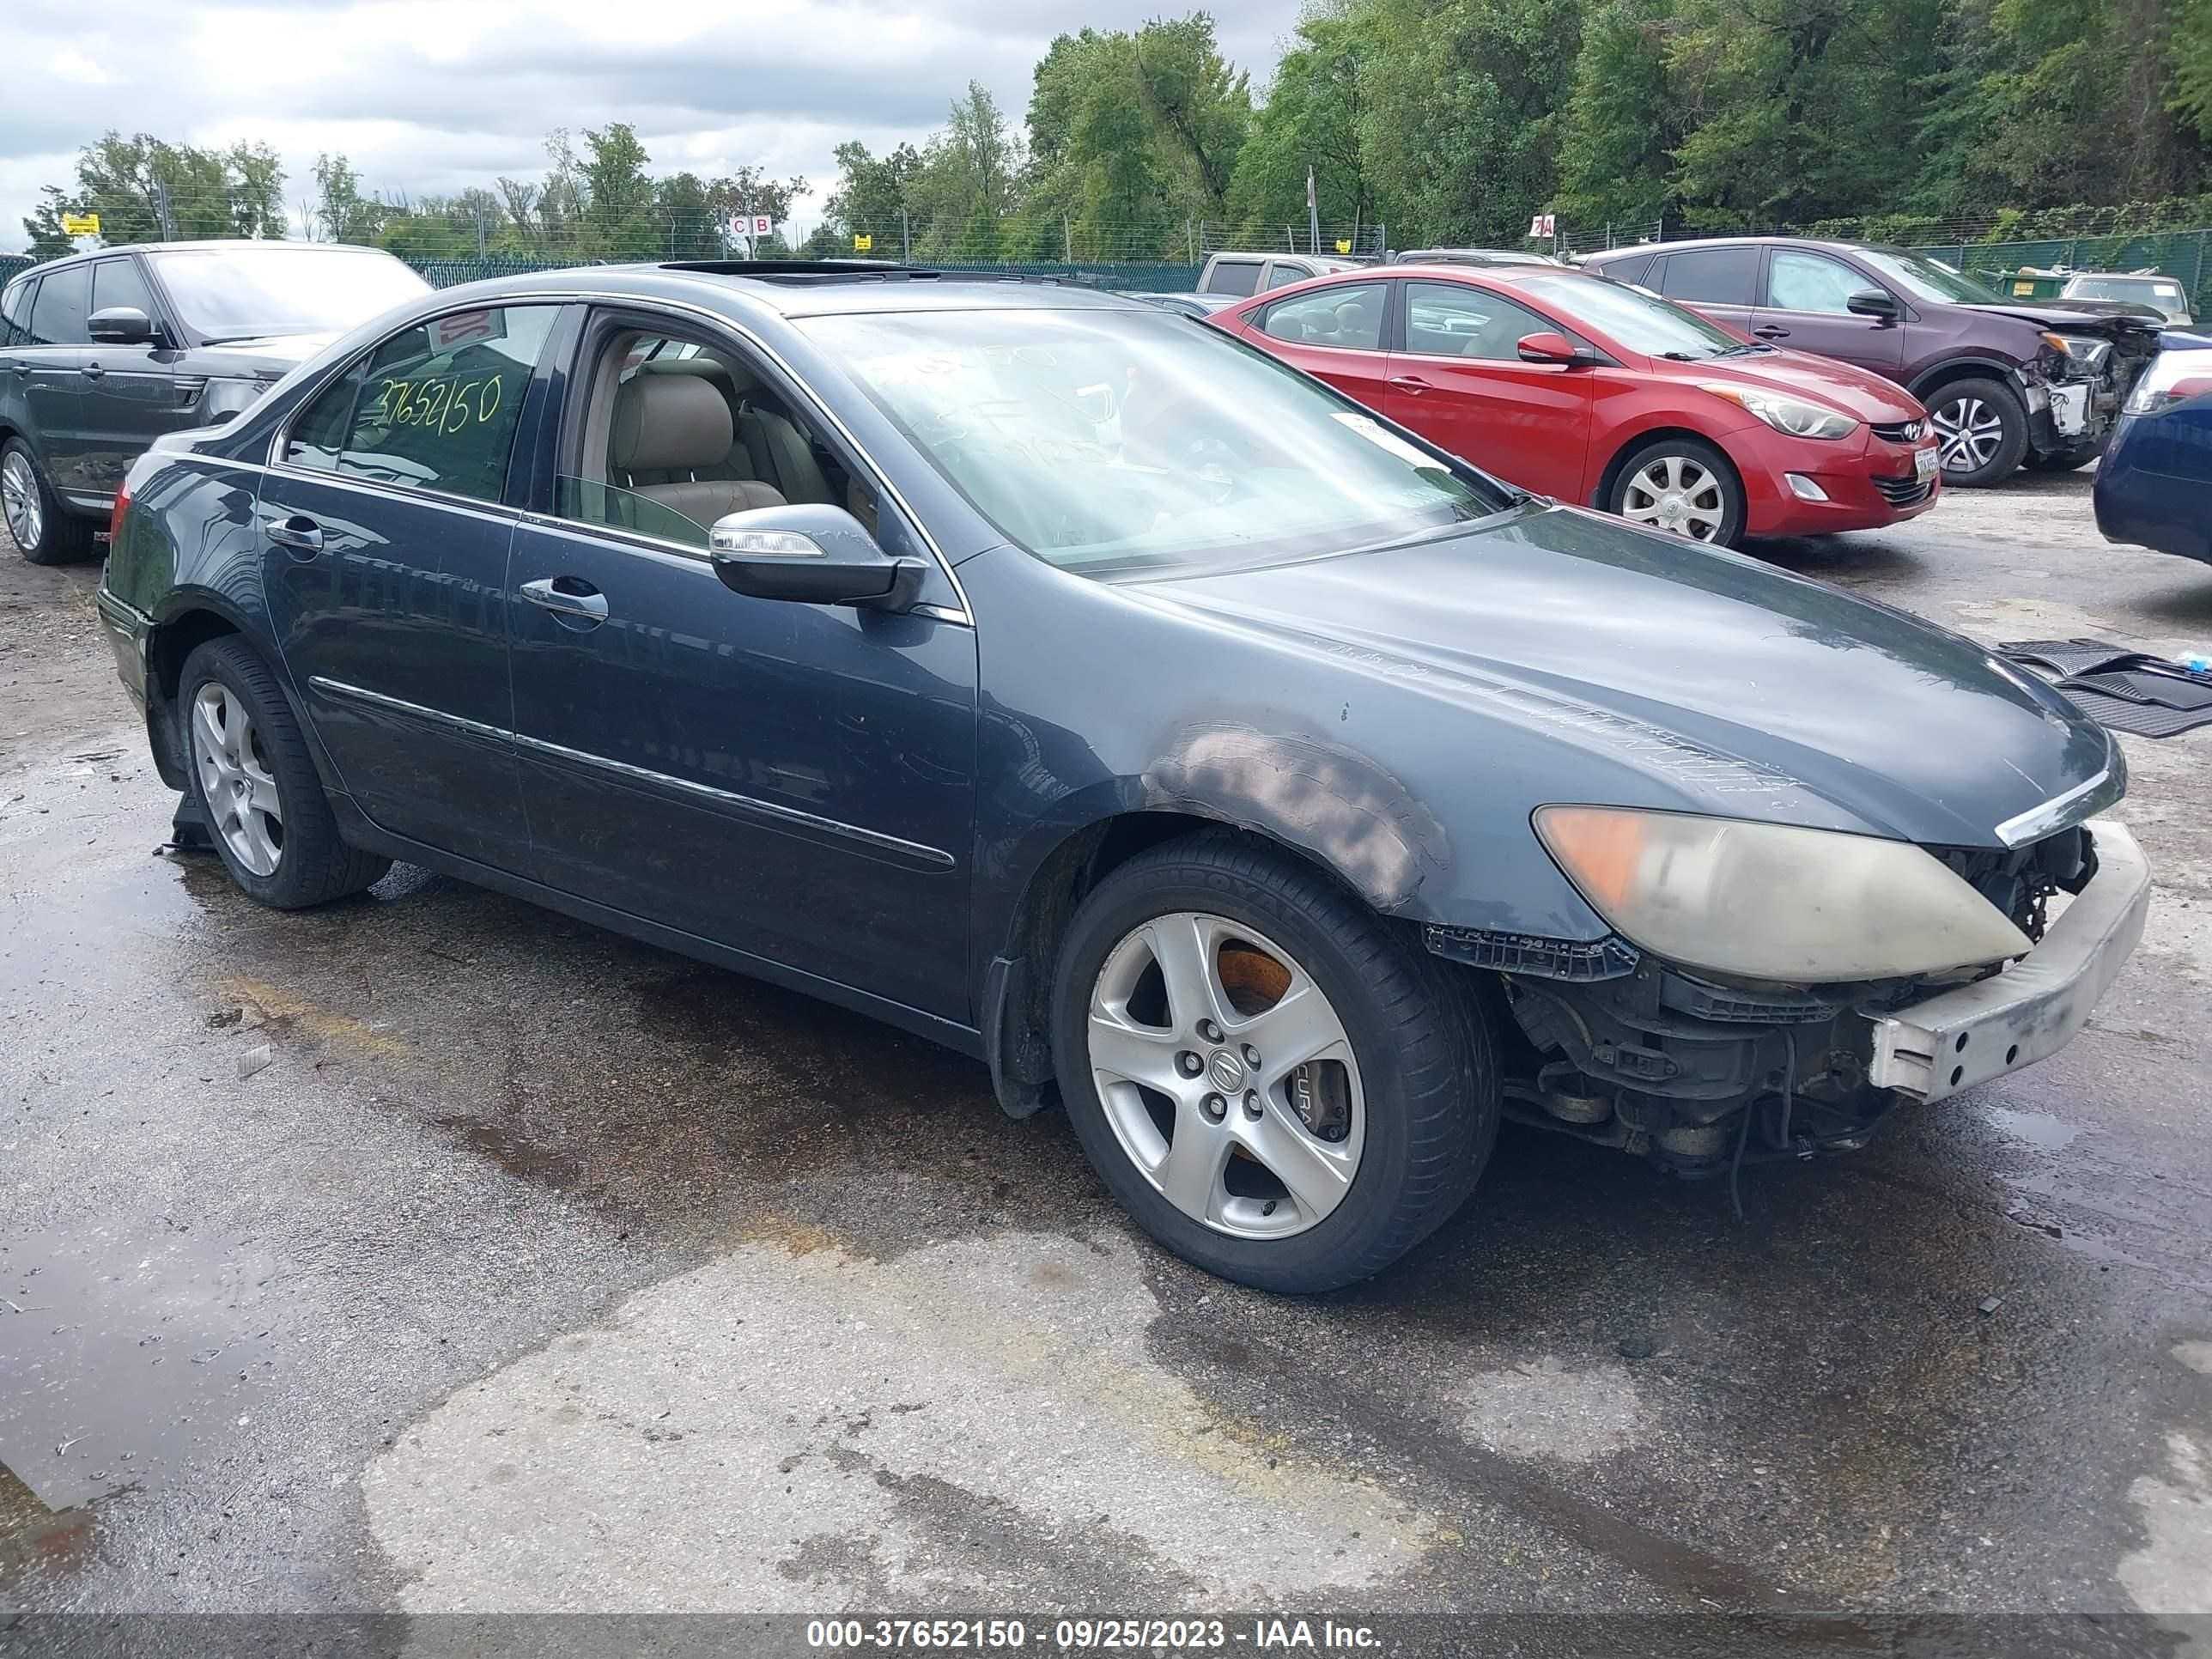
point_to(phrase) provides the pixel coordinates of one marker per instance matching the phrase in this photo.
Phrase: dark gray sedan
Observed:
(103, 353)
(1285, 799)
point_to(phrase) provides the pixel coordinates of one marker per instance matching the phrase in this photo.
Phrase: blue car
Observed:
(2155, 484)
(1287, 799)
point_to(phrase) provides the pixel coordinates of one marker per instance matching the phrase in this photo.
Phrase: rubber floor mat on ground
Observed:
(2126, 691)
(2072, 656)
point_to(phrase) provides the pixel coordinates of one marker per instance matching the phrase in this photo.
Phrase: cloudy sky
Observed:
(429, 96)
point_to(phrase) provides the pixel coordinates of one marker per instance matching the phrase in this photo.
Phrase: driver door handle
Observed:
(1412, 382)
(91, 371)
(567, 596)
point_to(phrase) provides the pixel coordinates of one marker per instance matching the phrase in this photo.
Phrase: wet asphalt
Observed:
(431, 1253)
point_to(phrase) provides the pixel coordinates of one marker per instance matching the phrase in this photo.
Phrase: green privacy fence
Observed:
(2185, 255)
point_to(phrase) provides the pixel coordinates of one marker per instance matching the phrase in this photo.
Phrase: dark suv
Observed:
(2007, 384)
(103, 353)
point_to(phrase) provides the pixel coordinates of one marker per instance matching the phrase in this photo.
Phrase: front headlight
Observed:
(1791, 415)
(1774, 901)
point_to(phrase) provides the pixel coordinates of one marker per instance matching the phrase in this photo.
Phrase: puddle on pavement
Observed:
(125, 1349)
(2039, 1129)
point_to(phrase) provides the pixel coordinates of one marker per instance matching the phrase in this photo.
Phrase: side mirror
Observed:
(1877, 303)
(120, 325)
(1548, 347)
(812, 553)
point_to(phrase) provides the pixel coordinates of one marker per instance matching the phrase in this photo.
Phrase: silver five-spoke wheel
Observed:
(1676, 493)
(1967, 431)
(1226, 1075)
(19, 500)
(236, 780)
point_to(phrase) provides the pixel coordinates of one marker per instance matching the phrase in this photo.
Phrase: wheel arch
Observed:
(1938, 375)
(188, 619)
(1609, 476)
(1016, 1000)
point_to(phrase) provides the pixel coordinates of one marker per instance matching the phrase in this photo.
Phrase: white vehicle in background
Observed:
(2146, 287)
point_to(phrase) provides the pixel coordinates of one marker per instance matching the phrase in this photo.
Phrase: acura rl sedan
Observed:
(1071, 683)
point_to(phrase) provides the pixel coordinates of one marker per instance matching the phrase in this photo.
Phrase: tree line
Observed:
(1445, 120)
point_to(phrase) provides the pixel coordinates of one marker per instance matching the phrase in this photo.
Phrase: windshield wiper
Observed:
(1745, 350)
(1680, 357)
(232, 339)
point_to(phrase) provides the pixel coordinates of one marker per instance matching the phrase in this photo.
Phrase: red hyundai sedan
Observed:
(1589, 391)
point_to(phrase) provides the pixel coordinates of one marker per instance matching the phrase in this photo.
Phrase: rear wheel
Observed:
(250, 771)
(1683, 485)
(1981, 427)
(42, 531)
(1278, 1087)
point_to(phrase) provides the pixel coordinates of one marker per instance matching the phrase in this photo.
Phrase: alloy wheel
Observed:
(20, 501)
(1227, 1076)
(1679, 494)
(1967, 431)
(236, 780)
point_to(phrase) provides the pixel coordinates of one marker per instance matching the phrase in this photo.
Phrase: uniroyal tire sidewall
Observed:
(1354, 1230)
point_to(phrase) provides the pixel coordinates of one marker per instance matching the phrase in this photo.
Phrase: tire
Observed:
(42, 531)
(2065, 460)
(1682, 485)
(1982, 427)
(1420, 1096)
(306, 861)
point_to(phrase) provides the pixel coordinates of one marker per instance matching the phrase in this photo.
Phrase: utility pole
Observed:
(480, 229)
(167, 220)
(1066, 240)
(1312, 214)
(906, 241)
(1189, 242)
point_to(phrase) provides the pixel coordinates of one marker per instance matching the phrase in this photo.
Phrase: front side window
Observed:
(1712, 276)
(117, 282)
(1812, 282)
(1446, 319)
(1107, 442)
(58, 315)
(1348, 317)
(15, 312)
(434, 407)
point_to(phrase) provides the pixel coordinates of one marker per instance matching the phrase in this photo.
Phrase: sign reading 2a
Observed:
(436, 405)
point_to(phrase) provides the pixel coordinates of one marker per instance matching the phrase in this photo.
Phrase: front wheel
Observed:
(1684, 486)
(1981, 428)
(42, 531)
(1277, 1086)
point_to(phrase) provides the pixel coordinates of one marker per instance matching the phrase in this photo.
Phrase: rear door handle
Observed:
(298, 531)
(90, 371)
(1771, 332)
(1412, 382)
(567, 596)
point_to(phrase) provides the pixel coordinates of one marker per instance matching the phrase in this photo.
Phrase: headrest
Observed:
(669, 424)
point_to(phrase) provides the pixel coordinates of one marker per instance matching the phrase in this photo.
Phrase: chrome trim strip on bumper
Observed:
(1959, 1038)
(2037, 822)
(910, 853)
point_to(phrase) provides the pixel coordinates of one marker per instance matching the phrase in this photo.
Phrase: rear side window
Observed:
(434, 407)
(117, 282)
(1713, 275)
(1633, 268)
(1348, 317)
(15, 311)
(1282, 274)
(1238, 276)
(57, 315)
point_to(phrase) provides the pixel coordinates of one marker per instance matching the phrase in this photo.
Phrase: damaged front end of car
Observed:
(1698, 1068)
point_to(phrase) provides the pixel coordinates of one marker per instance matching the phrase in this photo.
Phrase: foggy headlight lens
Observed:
(1773, 901)
(1791, 415)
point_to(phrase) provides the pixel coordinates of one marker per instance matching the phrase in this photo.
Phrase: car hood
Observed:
(2075, 317)
(272, 354)
(1725, 685)
(1856, 392)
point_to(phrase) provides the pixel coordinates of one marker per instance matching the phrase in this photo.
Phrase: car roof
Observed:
(1605, 255)
(815, 288)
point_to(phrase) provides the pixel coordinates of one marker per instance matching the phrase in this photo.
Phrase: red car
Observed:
(1590, 390)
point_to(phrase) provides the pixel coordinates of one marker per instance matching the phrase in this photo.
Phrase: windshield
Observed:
(2166, 296)
(1636, 321)
(1923, 279)
(255, 290)
(1111, 441)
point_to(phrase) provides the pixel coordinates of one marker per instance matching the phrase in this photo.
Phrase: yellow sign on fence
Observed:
(80, 224)
(1343, 244)
(862, 244)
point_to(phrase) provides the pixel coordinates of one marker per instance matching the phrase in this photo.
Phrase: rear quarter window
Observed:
(1237, 277)
(1632, 270)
